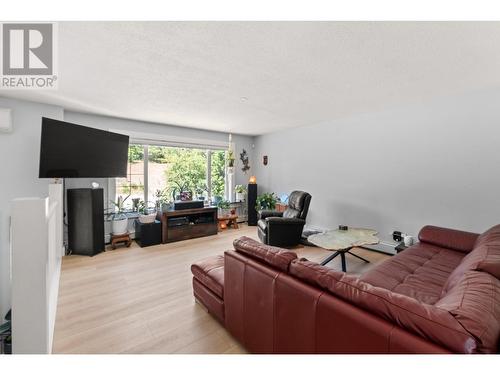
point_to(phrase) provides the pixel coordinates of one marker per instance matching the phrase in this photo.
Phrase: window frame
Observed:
(209, 150)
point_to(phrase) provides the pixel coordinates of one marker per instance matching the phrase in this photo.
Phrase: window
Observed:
(133, 185)
(163, 170)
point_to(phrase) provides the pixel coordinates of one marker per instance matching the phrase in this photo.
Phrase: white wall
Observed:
(19, 156)
(116, 124)
(435, 163)
(20, 151)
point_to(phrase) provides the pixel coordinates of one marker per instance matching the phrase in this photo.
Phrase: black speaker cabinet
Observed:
(148, 234)
(86, 221)
(187, 205)
(252, 200)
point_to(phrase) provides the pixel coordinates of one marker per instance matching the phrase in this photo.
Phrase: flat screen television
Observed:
(70, 150)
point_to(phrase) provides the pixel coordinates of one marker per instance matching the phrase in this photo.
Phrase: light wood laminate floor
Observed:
(139, 300)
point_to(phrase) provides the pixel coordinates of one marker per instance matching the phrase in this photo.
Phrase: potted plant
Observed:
(135, 204)
(119, 221)
(180, 190)
(146, 215)
(200, 190)
(266, 201)
(230, 158)
(159, 199)
(240, 191)
(224, 208)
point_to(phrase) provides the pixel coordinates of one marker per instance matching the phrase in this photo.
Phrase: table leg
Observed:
(357, 256)
(342, 257)
(330, 258)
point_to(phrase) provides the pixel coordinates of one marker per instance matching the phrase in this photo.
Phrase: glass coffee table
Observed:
(342, 241)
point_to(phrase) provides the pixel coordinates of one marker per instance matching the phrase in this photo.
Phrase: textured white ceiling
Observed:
(292, 73)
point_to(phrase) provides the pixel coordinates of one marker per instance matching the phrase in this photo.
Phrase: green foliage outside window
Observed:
(218, 173)
(185, 169)
(135, 153)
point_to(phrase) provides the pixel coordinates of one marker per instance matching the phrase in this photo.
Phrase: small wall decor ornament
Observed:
(244, 160)
(264, 160)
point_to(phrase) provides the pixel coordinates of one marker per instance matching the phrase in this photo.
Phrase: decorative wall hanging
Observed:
(264, 160)
(230, 159)
(244, 160)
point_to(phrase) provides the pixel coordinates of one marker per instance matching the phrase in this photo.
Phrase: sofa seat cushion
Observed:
(274, 256)
(428, 321)
(419, 272)
(210, 272)
(475, 303)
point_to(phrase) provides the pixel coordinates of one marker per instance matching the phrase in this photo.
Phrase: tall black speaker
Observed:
(86, 221)
(252, 200)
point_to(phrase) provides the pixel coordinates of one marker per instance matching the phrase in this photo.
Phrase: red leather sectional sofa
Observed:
(441, 295)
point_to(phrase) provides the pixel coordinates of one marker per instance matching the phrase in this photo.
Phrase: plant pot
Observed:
(7, 347)
(240, 197)
(119, 224)
(148, 218)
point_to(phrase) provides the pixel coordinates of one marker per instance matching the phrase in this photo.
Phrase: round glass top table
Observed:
(342, 241)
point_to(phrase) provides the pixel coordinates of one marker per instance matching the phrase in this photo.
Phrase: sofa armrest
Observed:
(449, 238)
(269, 213)
(288, 221)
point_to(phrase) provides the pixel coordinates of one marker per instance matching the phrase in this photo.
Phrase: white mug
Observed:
(408, 240)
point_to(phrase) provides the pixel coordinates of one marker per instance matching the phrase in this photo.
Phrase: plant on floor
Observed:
(266, 201)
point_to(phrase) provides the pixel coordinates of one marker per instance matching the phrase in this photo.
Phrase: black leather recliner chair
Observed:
(285, 228)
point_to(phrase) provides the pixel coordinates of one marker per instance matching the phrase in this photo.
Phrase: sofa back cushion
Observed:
(475, 303)
(448, 238)
(490, 237)
(491, 263)
(273, 256)
(434, 324)
(485, 258)
(298, 205)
